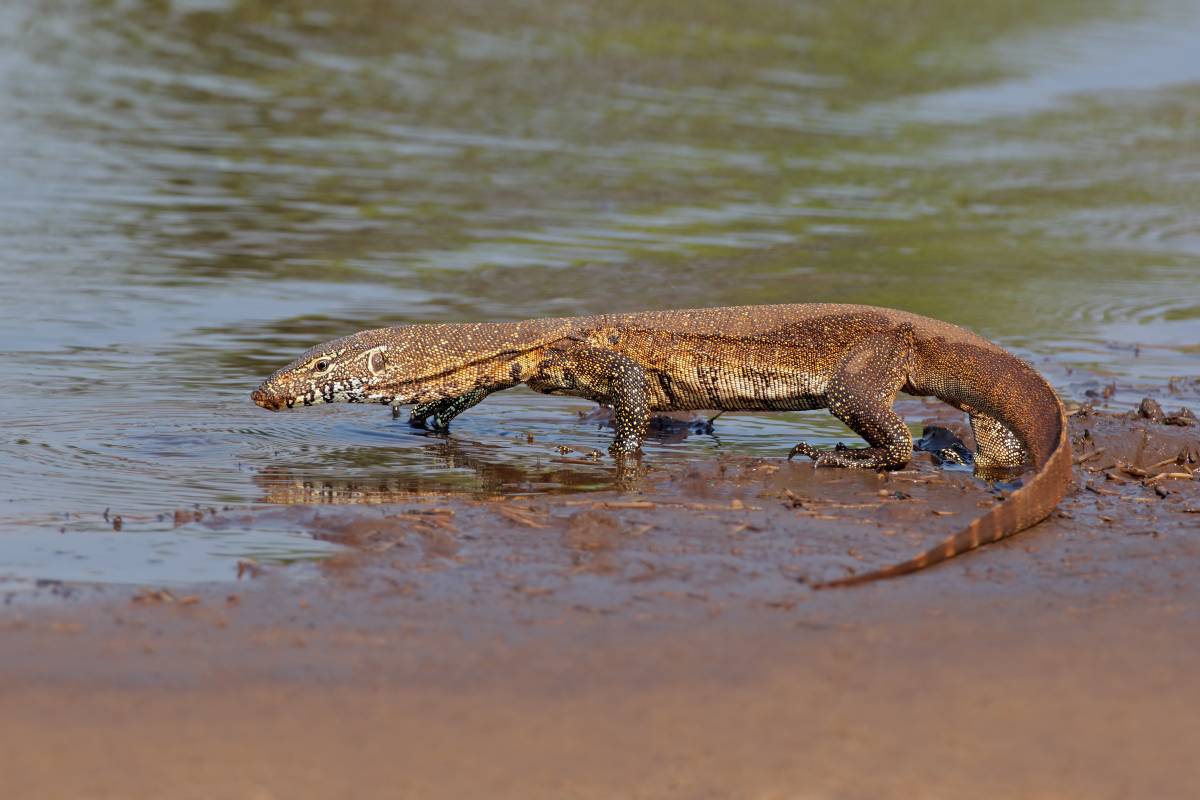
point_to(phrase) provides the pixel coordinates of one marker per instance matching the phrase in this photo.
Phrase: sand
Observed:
(661, 643)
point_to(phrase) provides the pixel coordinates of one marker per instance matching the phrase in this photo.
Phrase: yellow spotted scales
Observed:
(850, 359)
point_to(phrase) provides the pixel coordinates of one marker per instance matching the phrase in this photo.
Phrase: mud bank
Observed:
(657, 643)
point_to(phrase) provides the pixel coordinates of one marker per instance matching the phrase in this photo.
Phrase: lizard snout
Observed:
(263, 399)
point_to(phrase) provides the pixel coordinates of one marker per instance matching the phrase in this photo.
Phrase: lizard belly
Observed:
(743, 388)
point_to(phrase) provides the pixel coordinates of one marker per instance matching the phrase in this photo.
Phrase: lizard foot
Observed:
(432, 415)
(420, 413)
(945, 446)
(804, 449)
(846, 457)
(816, 453)
(436, 424)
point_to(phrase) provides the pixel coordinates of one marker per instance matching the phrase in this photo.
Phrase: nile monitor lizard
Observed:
(852, 360)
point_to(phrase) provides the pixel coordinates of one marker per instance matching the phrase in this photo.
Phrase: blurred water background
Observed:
(192, 191)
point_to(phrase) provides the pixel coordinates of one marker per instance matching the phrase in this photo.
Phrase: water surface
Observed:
(193, 192)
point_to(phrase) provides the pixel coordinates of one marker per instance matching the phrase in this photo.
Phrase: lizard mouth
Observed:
(268, 397)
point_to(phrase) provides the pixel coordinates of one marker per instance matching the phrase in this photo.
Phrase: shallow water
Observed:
(193, 192)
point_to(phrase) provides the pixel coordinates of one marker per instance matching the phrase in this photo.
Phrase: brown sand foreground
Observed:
(655, 645)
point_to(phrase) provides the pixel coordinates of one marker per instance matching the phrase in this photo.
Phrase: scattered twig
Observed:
(522, 518)
(1168, 476)
(1165, 461)
(1130, 469)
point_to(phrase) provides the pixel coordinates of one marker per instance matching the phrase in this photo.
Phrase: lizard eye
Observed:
(376, 362)
(322, 365)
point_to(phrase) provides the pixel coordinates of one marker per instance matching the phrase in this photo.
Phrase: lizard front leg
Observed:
(630, 400)
(861, 395)
(445, 409)
(606, 377)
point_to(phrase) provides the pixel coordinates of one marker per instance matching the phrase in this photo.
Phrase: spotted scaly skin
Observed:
(850, 359)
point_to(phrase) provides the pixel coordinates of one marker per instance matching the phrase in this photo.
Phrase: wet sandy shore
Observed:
(657, 644)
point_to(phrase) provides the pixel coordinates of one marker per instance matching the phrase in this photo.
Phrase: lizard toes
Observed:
(835, 459)
(805, 449)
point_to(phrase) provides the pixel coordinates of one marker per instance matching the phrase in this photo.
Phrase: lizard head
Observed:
(353, 369)
(407, 363)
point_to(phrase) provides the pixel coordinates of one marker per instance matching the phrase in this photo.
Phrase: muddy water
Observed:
(193, 191)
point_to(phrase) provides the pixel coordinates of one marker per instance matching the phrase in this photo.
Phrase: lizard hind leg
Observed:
(889, 442)
(861, 395)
